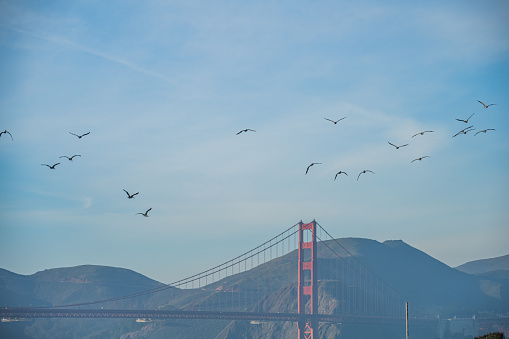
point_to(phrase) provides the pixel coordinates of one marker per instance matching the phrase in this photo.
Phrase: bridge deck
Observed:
(173, 314)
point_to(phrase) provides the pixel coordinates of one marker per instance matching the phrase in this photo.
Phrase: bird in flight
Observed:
(485, 130)
(314, 163)
(80, 136)
(70, 158)
(335, 122)
(339, 173)
(426, 156)
(397, 147)
(245, 130)
(146, 213)
(51, 167)
(6, 132)
(465, 121)
(130, 196)
(364, 172)
(421, 133)
(486, 106)
(464, 131)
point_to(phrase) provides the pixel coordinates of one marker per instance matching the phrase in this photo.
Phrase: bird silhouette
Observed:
(486, 106)
(464, 131)
(335, 122)
(421, 133)
(6, 132)
(465, 121)
(339, 173)
(485, 130)
(80, 136)
(397, 147)
(146, 213)
(426, 156)
(364, 172)
(314, 163)
(130, 196)
(51, 167)
(245, 130)
(70, 158)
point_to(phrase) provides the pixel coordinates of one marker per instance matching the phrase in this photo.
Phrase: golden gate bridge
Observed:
(302, 275)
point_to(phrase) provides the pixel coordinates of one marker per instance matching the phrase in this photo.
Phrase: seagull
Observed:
(245, 130)
(397, 147)
(421, 133)
(426, 156)
(339, 173)
(314, 163)
(51, 167)
(464, 131)
(6, 133)
(364, 172)
(130, 196)
(70, 158)
(146, 213)
(80, 136)
(484, 131)
(335, 122)
(465, 121)
(486, 106)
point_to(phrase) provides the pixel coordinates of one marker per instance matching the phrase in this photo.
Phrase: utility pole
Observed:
(406, 308)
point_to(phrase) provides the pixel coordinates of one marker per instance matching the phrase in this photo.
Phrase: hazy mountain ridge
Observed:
(485, 265)
(60, 286)
(423, 279)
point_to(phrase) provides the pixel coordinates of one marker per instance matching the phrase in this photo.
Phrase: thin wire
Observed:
(168, 286)
(361, 264)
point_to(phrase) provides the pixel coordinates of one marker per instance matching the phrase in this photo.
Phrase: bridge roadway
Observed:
(11, 312)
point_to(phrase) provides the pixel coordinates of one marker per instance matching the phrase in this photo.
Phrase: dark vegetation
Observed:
(497, 335)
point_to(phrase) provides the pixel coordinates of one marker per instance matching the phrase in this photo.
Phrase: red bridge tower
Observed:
(307, 285)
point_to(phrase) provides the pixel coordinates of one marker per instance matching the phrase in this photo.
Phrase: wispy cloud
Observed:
(79, 48)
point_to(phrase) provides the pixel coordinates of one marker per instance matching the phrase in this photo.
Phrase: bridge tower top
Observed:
(307, 281)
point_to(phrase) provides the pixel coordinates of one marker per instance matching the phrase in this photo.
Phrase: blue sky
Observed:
(164, 87)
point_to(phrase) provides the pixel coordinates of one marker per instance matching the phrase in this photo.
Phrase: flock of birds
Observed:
(463, 131)
(131, 196)
(397, 147)
(70, 158)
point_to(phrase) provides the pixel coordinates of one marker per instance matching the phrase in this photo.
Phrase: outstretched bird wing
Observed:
(485, 106)
(245, 130)
(7, 133)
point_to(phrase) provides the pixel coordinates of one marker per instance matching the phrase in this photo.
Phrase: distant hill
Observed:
(425, 280)
(486, 265)
(70, 285)
(422, 279)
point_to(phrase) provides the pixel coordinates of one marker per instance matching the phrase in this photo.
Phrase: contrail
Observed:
(60, 41)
